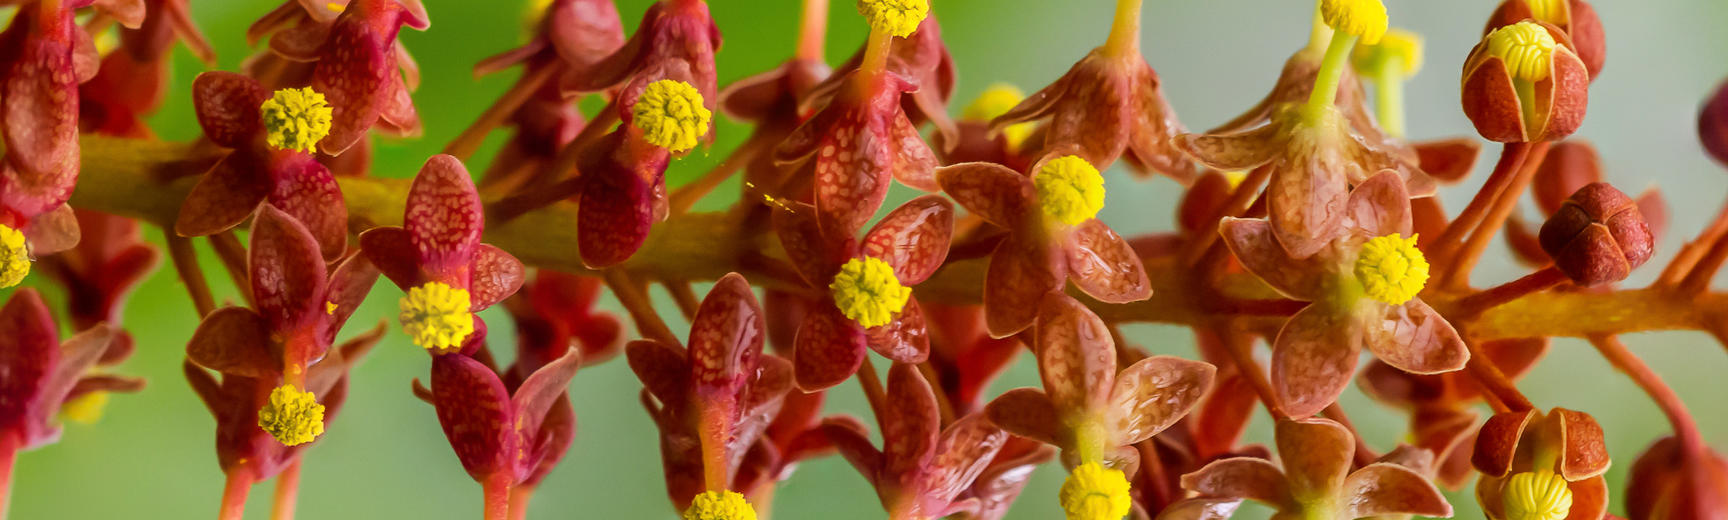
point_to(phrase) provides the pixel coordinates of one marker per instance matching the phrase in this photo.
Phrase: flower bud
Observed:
(1713, 124)
(1576, 17)
(1671, 482)
(1598, 236)
(1523, 83)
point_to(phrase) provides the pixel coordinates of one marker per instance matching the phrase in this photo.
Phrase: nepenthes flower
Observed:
(711, 401)
(863, 136)
(870, 282)
(1541, 466)
(41, 372)
(1316, 480)
(436, 256)
(923, 467)
(1054, 236)
(1091, 410)
(272, 136)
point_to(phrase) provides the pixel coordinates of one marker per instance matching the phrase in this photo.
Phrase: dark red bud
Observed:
(1598, 236)
(1713, 124)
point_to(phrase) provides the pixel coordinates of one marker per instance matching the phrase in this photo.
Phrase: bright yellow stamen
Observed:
(867, 292)
(86, 408)
(719, 505)
(1526, 47)
(1540, 495)
(295, 119)
(896, 17)
(671, 115)
(1070, 190)
(436, 316)
(992, 103)
(292, 416)
(1550, 11)
(14, 257)
(1094, 492)
(1235, 178)
(1363, 18)
(1399, 44)
(1391, 269)
(330, 308)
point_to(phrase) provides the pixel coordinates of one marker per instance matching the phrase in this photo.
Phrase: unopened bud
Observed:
(1598, 236)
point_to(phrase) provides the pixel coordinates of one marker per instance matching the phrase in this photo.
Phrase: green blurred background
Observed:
(152, 455)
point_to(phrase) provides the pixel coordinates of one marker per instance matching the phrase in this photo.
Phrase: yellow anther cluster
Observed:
(992, 103)
(296, 119)
(1070, 190)
(1550, 11)
(719, 505)
(436, 316)
(14, 257)
(896, 17)
(1094, 492)
(1363, 18)
(1526, 47)
(1540, 495)
(1391, 269)
(1399, 44)
(86, 408)
(292, 416)
(671, 115)
(867, 292)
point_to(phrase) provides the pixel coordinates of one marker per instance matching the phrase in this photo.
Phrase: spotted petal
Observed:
(965, 449)
(1415, 339)
(476, 413)
(287, 275)
(227, 106)
(29, 351)
(726, 336)
(1255, 245)
(39, 102)
(909, 423)
(663, 369)
(307, 192)
(1029, 413)
(225, 196)
(1387, 489)
(829, 348)
(1153, 394)
(496, 276)
(444, 219)
(991, 191)
(904, 339)
(1021, 272)
(1240, 478)
(1313, 359)
(234, 340)
(1104, 266)
(914, 163)
(913, 238)
(355, 73)
(1316, 455)
(613, 218)
(1076, 356)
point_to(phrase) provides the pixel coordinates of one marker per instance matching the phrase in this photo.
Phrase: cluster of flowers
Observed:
(1307, 223)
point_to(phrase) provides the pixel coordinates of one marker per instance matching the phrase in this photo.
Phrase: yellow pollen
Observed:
(1403, 45)
(436, 316)
(1070, 190)
(533, 12)
(330, 308)
(296, 119)
(1391, 269)
(719, 505)
(1094, 492)
(671, 115)
(1363, 18)
(86, 408)
(292, 416)
(992, 103)
(1235, 178)
(1526, 47)
(1540, 495)
(867, 292)
(336, 7)
(14, 257)
(1550, 11)
(896, 17)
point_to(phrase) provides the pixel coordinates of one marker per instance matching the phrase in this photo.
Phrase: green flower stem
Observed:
(1330, 75)
(1322, 33)
(1125, 29)
(1389, 96)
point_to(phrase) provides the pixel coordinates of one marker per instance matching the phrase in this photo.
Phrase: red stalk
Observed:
(1502, 394)
(234, 492)
(1685, 428)
(496, 490)
(464, 145)
(287, 490)
(648, 320)
(8, 455)
(872, 384)
(1511, 158)
(519, 498)
(1474, 305)
(1457, 274)
(186, 265)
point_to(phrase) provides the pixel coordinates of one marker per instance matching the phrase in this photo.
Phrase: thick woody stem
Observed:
(287, 489)
(1685, 428)
(185, 260)
(234, 492)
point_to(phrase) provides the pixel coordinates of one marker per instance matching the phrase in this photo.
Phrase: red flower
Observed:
(1669, 481)
(1363, 284)
(1315, 482)
(41, 372)
(109, 262)
(504, 435)
(257, 170)
(359, 62)
(44, 55)
(712, 401)
(921, 59)
(133, 78)
(922, 468)
(1053, 236)
(673, 35)
(1524, 456)
(555, 312)
(1576, 17)
(869, 280)
(1531, 57)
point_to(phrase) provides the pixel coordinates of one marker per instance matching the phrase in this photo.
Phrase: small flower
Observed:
(719, 505)
(41, 370)
(671, 115)
(292, 416)
(499, 431)
(295, 119)
(1526, 47)
(1094, 492)
(867, 291)
(1597, 236)
(436, 316)
(897, 17)
(1677, 479)
(1362, 18)
(1391, 268)
(1713, 124)
(1525, 83)
(1070, 190)
(14, 257)
(1537, 495)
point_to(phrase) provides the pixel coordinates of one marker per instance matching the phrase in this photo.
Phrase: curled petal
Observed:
(1236, 151)
(1497, 442)
(496, 276)
(476, 413)
(913, 238)
(1589, 498)
(234, 340)
(1316, 455)
(1076, 355)
(1021, 272)
(444, 219)
(1388, 489)
(348, 286)
(1254, 244)
(1415, 339)
(1380, 206)
(726, 335)
(829, 348)
(227, 106)
(811, 252)
(1154, 393)
(225, 196)
(991, 191)
(905, 339)
(1448, 160)
(1586, 453)
(1313, 359)
(1240, 478)
(1029, 413)
(1104, 266)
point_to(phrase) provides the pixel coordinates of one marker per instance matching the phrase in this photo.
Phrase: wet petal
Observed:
(828, 349)
(1236, 151)
(1021, 272)
(913, 238)
(1306, 203)
(1029, 413)
(355, 72)
(914, 163)
(726, 336)
(1415, 339)
(1254, 244)
(306, 191)
(234, 340)
(910, 424)
(444, 219)
(1153, 394)
(1313, 359)
(1388, 489)
(852, 166)
(39, 106)
(663, 369)
(1240, 478)
(993, 192)
(613, 217)
(1104, 266)
(1076, 356)
(1380, 206)
(965, 449)
(496, 276)
(904, 339)
(1316, 455)
(227, 106)
(287, 274)
(224, 197)
(476, 413)
(1200, 509)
